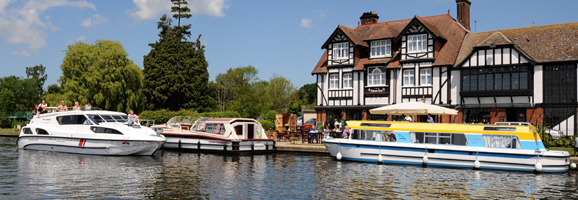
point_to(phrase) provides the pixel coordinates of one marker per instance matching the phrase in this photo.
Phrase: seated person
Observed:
(133, 118)
(62, 107)
(326, 132)
(76, 106)
(87, 106)
(345, 132)
(42, 107)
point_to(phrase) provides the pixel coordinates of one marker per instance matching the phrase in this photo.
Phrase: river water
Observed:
(28, 174)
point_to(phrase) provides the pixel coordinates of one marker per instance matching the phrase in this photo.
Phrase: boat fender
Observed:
(425, 159)
(338, 156)
(538, 167)
(379, 158)
(573, 165)
(477, 164)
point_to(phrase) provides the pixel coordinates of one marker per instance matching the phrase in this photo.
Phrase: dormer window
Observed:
(417, 43)
(341, 51)
(381, 48)
(376, 76)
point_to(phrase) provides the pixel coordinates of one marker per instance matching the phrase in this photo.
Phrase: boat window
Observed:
(27, 131)
(215, 128)
(502, 141)
(108, 118)
(374, 135)
(72, 120)
(497, 128)
(158, 130)
(375, 125)
(239, 129)
(119, 118)
(104, 130)
(95, 118)
(438, 138)
(40, 131)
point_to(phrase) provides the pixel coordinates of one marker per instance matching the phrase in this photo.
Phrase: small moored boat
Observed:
(230, 135)
(89, 132)
(499, 147)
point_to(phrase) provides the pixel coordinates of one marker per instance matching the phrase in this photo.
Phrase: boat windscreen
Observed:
(96, 118)
(108, 118)
(119, 118)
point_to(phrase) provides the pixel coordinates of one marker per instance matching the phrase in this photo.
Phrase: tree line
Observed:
(174, 77)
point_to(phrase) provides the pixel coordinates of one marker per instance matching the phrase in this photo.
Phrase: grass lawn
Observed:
(7, 131)
(568, 149)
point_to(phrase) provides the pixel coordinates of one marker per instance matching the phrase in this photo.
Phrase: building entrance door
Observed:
(516, 114)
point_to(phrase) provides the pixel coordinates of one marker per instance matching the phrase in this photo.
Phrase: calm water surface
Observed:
(27, 174)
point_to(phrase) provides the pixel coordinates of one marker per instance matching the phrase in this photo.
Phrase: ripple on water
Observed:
(26, 174)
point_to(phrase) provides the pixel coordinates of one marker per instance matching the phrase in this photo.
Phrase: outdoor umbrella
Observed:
(413, 108)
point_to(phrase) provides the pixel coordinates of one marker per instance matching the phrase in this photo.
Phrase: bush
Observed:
(267, 125)
(5, 122)
(271, 115)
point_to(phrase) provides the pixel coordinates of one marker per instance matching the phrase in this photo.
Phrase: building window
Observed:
(408, 77)
(380, 49)
(341, 51)
(334, 81)
(426, 76)
(498, 78)
(559, 83)
(347, 80)
(353, 115)
(417, 43)
(376, 76)
(477, 115)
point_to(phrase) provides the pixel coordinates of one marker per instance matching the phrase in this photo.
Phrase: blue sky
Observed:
(276, 37)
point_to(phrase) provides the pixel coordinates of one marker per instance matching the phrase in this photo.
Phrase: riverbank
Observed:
(301, 147)
(7, 132)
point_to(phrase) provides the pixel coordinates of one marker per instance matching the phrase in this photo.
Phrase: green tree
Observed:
(23, 94)
(240, 90)
(36, 73)
(102, 74)
(280, 91)
(175, 70)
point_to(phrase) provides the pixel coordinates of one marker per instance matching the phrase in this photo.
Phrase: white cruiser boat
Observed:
(89, 132)
(501, 147)
(226, 135)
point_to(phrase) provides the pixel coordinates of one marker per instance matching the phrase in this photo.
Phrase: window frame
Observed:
(334, 81)
(412, 76)
(371, 74)
(381, 46)
(341, 51)
(348, 81)
(421, 77)
(420, 40)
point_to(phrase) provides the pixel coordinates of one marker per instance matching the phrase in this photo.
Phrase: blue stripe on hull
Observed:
(450, 165)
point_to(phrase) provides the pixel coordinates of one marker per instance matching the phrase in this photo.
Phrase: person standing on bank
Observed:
(408, 118)
(429, 119)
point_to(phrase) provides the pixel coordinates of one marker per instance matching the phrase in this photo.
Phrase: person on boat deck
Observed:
(133, 118)
(390, 137)
(41, 108)
(76, 107)
(87, 106)
(429, 119)
(62, 107)
(326, 132)
(337, 126)
(345, 132)
(408, 118)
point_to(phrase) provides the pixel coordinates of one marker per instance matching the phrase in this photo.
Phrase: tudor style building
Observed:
(524, 74)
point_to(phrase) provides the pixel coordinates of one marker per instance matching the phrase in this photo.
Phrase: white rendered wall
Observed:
(538, 84)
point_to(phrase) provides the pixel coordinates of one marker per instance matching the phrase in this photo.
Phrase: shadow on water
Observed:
(27, 174)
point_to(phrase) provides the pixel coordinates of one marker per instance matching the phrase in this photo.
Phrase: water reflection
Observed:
(174, 175)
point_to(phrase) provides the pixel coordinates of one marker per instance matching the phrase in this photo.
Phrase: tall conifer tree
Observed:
(175, 69)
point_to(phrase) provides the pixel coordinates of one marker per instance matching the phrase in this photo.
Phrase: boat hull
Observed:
(209, 144)
(90, 146)
(446, 156)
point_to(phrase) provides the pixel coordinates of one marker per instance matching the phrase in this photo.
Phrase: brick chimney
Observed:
(464, 13)
(369, 18)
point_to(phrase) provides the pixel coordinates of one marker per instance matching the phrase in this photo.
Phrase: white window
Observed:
(341, 51)
(334, 81)
(417, 43)
(425, 76)
(376, 76)
(408, 77)
(381, 48)
(347, 80)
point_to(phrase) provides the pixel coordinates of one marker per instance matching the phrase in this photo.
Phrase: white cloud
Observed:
(152, 9)
(22, 25)
(306, 23)
(78, 39)
(94, 21)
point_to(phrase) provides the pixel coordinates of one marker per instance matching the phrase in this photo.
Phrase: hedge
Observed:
(162, 116)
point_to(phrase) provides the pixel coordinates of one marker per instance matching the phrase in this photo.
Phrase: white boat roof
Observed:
(88, 112)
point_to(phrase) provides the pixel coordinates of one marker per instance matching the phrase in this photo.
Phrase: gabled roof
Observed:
(321, 66)
(428, 25)
(353, 35)
(550, 43)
